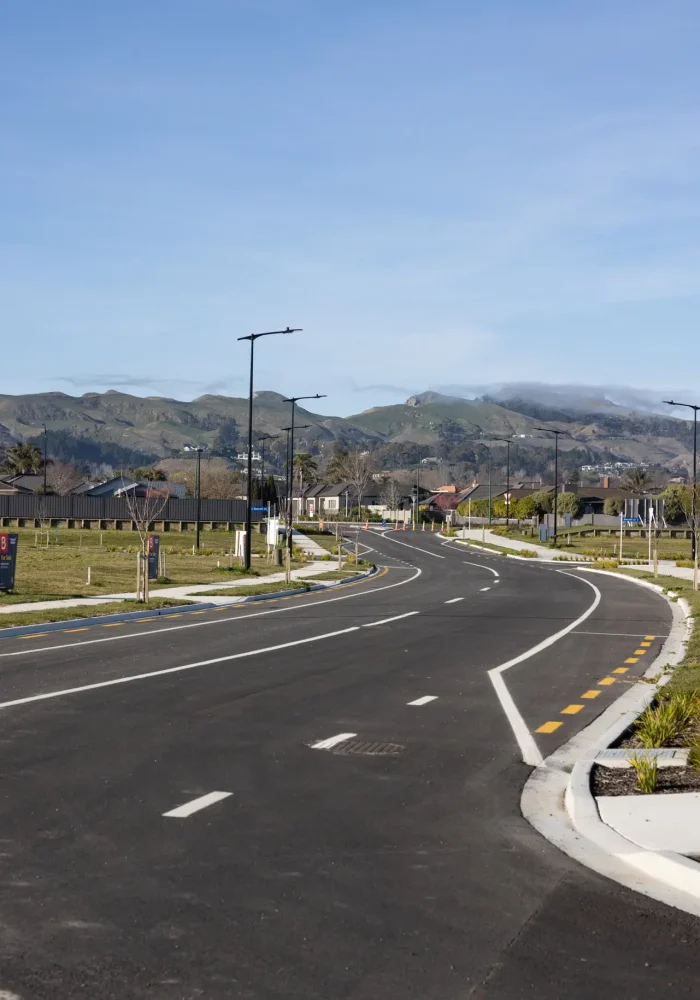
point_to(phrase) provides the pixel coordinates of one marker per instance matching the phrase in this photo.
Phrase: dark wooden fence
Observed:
(77, 508)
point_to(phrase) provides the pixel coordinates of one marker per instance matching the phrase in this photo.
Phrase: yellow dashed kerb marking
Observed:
(590, 694)
(621, 670)
(34, 635)
(639, 652)
(571, 709)
(631, 659)
(83, 629)
(645, 644)
(607, 681)
(548, 727)
(649, 637)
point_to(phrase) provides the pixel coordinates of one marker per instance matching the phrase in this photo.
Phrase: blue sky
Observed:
(438, 192)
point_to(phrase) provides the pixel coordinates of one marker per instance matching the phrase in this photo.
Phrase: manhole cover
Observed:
(368, 747)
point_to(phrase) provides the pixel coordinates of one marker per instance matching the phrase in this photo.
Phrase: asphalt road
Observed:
(323, 874)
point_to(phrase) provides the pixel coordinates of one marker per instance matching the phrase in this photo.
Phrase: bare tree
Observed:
(357, 470)
(391, 494)
(62, 477)
(143, 510)
(216, 482)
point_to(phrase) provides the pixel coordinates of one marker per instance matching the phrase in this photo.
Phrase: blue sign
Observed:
(8, 560)
(383, 524)
(259, 509)
(153, 549)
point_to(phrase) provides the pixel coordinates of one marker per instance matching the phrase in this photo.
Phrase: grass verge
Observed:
(260, 588)
(13, 619)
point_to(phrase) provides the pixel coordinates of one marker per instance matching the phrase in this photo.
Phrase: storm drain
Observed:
(368, 747)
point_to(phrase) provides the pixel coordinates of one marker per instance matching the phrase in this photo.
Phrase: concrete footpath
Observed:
(185, 592)
(667, 567)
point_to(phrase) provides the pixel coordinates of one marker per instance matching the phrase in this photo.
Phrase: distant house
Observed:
(338, 497)
(121, 486)
(10, 486)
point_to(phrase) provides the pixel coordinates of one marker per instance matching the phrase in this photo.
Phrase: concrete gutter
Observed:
(557, 798)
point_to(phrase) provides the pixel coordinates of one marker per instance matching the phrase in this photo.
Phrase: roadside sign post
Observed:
(8, 560)
(153, 556)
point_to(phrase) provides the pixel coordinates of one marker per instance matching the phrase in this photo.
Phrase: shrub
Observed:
(647, 772)
(527, 553)
(685, 563)
(660, 724)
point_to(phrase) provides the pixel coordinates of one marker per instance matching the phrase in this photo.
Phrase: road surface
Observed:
(319, 873)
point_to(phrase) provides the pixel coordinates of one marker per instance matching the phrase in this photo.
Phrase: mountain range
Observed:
(120, 429)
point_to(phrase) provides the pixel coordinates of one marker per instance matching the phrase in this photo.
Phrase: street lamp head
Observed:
(272, 333)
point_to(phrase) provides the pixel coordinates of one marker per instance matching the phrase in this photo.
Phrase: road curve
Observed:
(177, 821)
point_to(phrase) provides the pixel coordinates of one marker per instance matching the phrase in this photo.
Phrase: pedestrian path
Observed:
(667, 567)
(308, 544)
(183, 592)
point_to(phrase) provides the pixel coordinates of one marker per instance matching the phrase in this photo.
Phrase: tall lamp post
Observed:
(289, 474)
(294, 400)
(506, 441)
(46, 434)
(263, 438)
(549, 430)
(252, 337)
(197, 485)
(694, 408)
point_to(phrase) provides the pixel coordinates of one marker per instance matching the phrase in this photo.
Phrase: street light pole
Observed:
(550, 430)
(197, 487)
(694, 408)
(294, 400)
(45, 448)
(252, 337)
(288, 473)
(506, 442)
(264, 438)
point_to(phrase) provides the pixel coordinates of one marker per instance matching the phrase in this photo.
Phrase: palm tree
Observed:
(305, 467)
(21, 459)
(637, 480)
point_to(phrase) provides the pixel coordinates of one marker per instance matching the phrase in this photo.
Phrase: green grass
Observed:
(60, 571)
(493, 548)
(67, 614)
(606, 545)
(334, 574)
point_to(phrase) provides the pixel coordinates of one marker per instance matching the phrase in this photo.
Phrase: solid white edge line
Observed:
(332, 741)
(424, 700)
(528, 748)
(453, 600)
(396, 618)
(173, 670)
(215, 621)
(479, 566)
(181, 812)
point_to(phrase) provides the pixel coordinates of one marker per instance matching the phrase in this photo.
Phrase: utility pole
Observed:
(252, 337)
(263, 438)
(550, 430)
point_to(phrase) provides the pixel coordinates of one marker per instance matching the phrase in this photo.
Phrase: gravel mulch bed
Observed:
(623, 781)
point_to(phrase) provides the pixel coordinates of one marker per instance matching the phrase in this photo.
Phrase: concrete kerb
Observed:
(19, 630)
(121, 616)
(557, 798)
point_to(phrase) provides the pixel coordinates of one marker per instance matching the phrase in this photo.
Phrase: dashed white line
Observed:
(490, 569)
(332, 741)
(182, 812)
(396, 618)
(454, 600)
(484, 588)
(416, 547)
(424, 700)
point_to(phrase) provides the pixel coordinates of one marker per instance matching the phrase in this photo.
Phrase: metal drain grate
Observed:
(368, 747)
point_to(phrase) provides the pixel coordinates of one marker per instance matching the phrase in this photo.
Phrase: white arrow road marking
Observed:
(332, 741)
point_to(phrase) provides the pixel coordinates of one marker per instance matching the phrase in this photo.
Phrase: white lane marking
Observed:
(484, 588)
(631, 635)
(424, 700)
(528, 747)
(332, 741)
(173, 670)
(196, 804)
(215, 621)
(394, 619)
(454, 600)
(416, 547)
(479, 566)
